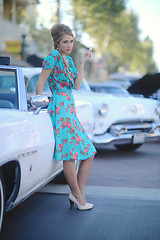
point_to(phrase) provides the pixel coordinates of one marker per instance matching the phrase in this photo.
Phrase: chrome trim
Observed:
(27, 154)
(123, 134)
(123, 139)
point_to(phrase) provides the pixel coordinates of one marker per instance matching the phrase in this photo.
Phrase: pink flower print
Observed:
(57, 131)
(68, 98)
(52, 112)
(61, 119)
(86, 149)
(66, 155)
(60, 146)
(72, 138)
(75, 156)
(64, 124)
(72, 109)
(70, 153)
(58, 109)
(69, 125)
(65, 140)
(78, 139)
(63, 94)
(56, 70)
(62, 104)
(82, 129)
(72, 130)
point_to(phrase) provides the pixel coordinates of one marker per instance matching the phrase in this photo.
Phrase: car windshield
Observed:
(8, 89)
(84, 85)
(110, 90)
(33, 82)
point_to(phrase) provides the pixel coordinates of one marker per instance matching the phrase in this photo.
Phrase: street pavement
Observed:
(125, 189)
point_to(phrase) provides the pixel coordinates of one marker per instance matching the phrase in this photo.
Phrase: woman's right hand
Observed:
(87, 55)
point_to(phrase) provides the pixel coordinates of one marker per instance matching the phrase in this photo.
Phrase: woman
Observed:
(71, 140)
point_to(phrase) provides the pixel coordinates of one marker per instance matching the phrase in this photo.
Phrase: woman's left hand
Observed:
(87, 55)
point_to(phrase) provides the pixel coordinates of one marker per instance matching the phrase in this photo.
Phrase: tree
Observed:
(115, 33)
(143, 61)
(97, 18)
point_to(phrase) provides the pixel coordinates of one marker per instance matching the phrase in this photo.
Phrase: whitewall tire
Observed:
(1, 201)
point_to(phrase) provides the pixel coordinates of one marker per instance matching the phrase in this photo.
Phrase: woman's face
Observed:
(66, 44)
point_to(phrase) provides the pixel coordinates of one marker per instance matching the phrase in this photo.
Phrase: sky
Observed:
(148, 12)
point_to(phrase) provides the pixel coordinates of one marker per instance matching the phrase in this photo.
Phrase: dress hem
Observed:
(82, 159)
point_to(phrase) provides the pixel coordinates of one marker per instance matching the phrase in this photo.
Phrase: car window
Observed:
(33, 82)
(8, 89)
(113, 90)
(110, 90)
(84, 85)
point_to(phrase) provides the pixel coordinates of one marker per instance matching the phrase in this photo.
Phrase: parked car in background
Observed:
(109, 88)
(27, 139)
(112, 88)
(123, 79)
(125, 122)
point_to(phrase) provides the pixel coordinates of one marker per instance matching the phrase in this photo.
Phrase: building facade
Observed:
(13, 27)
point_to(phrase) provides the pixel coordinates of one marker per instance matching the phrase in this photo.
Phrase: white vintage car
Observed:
(27, 140)
(124, 121)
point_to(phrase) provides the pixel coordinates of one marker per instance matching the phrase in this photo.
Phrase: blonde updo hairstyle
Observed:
(57, 32)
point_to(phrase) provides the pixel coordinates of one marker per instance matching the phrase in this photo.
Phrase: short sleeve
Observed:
(50, 61)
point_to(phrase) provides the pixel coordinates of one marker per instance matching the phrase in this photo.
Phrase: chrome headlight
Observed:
(158, 109)
(104, 110)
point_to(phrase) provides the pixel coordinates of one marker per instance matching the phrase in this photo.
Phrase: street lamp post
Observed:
(24, 30)
(23, 51)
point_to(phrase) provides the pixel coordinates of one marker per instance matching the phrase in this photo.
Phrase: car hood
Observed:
(146, 85)
(121, 109)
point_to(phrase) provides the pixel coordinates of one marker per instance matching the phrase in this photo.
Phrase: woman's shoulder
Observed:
(55, 53)
(69, 58)
(51, 60)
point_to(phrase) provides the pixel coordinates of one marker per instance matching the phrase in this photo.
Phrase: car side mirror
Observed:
(38, 102)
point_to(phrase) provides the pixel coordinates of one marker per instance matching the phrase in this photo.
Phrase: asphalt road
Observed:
(140, 168)
(125, 188)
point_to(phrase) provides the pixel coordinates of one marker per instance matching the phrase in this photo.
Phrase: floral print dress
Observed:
(71, 140)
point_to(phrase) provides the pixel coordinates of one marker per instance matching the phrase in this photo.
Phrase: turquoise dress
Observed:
(71, 140)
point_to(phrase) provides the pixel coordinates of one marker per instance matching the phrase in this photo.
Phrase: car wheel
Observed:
(2, 197)
(128, 147)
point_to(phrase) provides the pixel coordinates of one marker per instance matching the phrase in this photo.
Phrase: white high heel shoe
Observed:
(73, 200)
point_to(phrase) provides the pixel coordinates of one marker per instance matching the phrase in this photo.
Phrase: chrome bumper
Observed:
(128, 138)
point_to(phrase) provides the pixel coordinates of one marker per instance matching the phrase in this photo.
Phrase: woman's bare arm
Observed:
(78, 80)
(42, 79)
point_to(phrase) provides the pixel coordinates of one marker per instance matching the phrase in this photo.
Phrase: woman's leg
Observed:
(83, 172)
(71, 177)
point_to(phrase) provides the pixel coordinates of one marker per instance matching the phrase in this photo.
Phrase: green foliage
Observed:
(115, 33)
